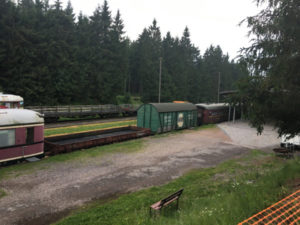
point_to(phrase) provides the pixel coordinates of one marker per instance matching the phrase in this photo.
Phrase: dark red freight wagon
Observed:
(21, 134)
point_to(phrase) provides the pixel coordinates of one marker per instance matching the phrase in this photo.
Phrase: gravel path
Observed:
(47, 195)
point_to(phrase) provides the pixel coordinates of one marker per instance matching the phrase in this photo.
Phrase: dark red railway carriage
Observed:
(212, 113)
(21, 134)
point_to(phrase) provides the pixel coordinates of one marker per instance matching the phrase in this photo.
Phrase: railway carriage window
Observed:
(14, 105)
(7, 138)
(30, 135)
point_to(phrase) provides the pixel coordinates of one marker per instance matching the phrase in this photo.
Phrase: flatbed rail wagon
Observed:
(52, 113)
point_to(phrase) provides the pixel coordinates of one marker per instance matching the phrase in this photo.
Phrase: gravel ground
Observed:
(242, 134)
(47, 195)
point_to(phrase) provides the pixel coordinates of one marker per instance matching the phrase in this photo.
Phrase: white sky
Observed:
(209, 21)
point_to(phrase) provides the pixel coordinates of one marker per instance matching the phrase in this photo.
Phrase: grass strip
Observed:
(84, 128)
(175, 132)
(226, 194)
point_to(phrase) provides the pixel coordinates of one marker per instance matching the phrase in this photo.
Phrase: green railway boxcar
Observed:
(163, 117)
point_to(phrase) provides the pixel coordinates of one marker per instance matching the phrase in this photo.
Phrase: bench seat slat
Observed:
(156, 205)
(170, 201)
(166, 201)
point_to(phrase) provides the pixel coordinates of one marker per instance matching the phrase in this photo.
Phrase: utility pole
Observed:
(159, 83)
(219, 83)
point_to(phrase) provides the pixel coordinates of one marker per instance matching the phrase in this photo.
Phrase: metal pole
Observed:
(233, 119)
(159, 85)
(219, 87)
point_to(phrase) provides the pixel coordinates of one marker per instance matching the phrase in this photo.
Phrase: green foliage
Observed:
(129, 99)
(226, 194)
(50, 57)
(272, 92)
(121, 99)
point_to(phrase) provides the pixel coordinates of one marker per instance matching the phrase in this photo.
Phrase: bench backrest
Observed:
(172, 196)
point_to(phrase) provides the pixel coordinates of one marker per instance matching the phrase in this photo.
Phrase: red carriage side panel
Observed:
(35, 149)
(20, 135)
(10, 153)
(39, 133)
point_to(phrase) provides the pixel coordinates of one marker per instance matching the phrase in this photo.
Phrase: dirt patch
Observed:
(294, 184)
(45, 196)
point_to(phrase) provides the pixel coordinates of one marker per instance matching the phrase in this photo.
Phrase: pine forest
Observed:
(50, 56)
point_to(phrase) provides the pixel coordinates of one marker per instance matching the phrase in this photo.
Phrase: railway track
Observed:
(86, 121)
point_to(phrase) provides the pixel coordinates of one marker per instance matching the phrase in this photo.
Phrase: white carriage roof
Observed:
(10, 98)
(13, 117)
(213, 105)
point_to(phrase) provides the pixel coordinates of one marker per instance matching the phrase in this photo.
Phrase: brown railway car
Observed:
(212, 113)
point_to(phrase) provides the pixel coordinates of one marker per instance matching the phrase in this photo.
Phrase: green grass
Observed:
(226, 194)
(174, 132)
(2, 193)
(81, 155)
(82, 128)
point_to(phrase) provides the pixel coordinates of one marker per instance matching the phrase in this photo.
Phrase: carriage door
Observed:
(30, 135)
(29, 141)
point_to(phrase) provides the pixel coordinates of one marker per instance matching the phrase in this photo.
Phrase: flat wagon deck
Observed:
(52, 113)
(71, 142)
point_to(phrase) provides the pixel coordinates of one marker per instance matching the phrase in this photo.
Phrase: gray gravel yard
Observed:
(242, 134)
(46, 195)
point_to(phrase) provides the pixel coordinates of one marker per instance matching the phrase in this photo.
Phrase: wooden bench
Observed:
(288, 152)
(166, 201)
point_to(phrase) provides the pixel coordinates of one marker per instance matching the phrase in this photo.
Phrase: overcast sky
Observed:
(209, 21)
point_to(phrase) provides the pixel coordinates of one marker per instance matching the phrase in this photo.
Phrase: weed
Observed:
(2, 193)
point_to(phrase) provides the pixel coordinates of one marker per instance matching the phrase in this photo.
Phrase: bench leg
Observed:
(155, 212)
